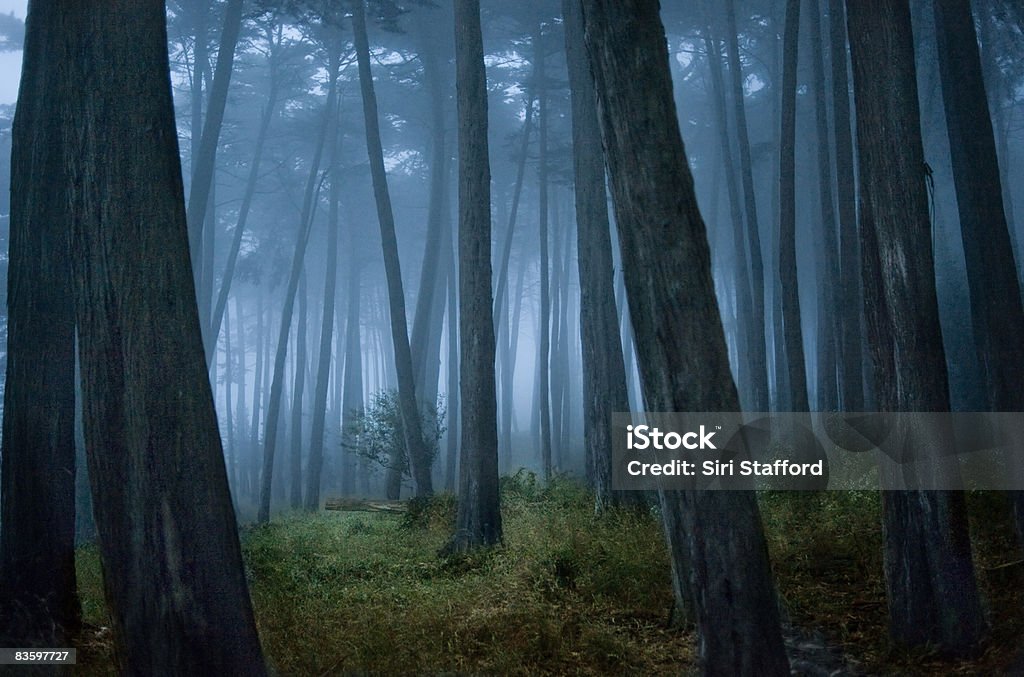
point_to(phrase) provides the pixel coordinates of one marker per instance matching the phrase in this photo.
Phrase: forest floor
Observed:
(568, 593)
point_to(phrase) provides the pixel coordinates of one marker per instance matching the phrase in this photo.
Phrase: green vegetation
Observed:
(567, 593)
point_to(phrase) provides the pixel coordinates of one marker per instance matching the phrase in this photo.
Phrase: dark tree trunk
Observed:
(352, 397)
(680, 342)
(231, 458)
(932, 594)
(478, 522)
(604, 372)
(257, 402)
(849, 303)
(38, 602)
(323, 369)
(172, 566)
(453, 374)
(415, 445)
(241, 434)
(543, 359)
(792, 336)
(996, 311)
(758, 376)
(273, 408)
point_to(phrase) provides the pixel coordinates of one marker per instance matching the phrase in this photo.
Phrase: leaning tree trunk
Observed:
(792, 336)
(996, 309)
(679, 337)
(930, 582)
(412, 428)
(38, 602)
(273, 408)
(172, 566)
(478, 522)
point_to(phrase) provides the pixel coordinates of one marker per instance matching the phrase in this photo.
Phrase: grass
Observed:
(343, 593)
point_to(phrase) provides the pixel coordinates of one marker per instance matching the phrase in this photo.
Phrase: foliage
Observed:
(376, 432)
(354, 593)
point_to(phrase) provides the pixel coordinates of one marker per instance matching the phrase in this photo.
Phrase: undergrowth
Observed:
(567, 592)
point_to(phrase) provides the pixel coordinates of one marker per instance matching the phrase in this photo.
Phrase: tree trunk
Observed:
(544, 387)
(174, 580)
(298, 390)
(416, 448)
(758, 376)
(38, 601)
(932, 594)
(849, 304)
(257, 401)
(478, 522)
(241, 434)
(996, 310)
(792, 335)
(273, 408)
(352, 397)
(453, 374)
(231, 457)
(681, 345)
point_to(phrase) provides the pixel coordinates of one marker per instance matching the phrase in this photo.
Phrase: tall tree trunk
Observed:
(758, 376)
(544, 387)
(932, 594)
(257, 401)
(451, 481)
(792, 335)
(849, 304)
(174, 580)
(243, 215)
(996, 310)
(415, 444)
(231, 457)
(680, 341)
(273, 408)
(298, 390)
(316, 441)
(828, 291)
(478, 521)
(352, 397)
(741, 274)
(206, 154)
(241, 434)
(38, 601)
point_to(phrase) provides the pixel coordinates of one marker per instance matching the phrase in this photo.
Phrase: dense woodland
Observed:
(267, 255)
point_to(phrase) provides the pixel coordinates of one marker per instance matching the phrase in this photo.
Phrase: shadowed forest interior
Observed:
(317, 313)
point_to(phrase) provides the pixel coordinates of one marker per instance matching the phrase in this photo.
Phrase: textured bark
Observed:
(478, 521)
(792, 336)
(273, 408)
(415, 445)
(679, 337)
(758, 376)
(172, 566)
(850, 305)
(38, 603)
(930, 582)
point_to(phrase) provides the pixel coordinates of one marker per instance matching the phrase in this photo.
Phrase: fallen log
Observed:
(365, 505)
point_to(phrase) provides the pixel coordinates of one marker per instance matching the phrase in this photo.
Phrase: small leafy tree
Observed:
(376, 432)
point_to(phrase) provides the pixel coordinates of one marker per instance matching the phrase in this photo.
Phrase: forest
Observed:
(319, 314)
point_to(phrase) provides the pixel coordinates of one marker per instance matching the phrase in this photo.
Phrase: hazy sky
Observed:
(10, 63)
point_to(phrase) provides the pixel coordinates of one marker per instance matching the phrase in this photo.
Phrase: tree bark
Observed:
(544, 387)
(679, 337)
(478, 521)
(38, 600)
(174, 580)
(930, 582)
(298, 390)
(416, 448)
